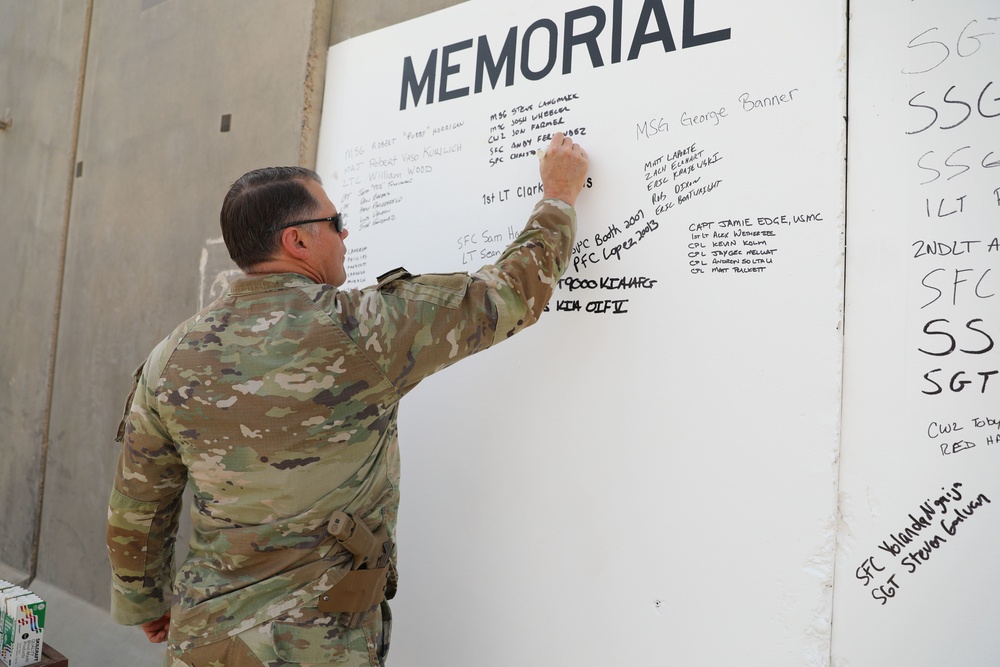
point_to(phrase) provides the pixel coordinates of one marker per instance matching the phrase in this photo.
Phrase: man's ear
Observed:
(295, 242)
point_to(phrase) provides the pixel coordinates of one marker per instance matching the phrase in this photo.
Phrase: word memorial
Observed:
(442, 77)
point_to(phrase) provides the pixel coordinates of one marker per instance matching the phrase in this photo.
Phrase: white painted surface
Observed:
(656, 486)
(923, 265)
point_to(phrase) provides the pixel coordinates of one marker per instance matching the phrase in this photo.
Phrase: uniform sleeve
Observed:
(417, 325)
(143, 511)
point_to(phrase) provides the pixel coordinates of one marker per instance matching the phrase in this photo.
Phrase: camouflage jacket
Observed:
(277, 404)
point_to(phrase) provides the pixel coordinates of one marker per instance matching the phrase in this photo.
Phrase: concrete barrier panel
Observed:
(41, 46)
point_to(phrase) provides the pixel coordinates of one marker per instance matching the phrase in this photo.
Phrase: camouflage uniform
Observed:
(277, 403)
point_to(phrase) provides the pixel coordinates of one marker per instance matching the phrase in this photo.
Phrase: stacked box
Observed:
(5, 588)
(22, 622)
(7, 591)
(23, 628)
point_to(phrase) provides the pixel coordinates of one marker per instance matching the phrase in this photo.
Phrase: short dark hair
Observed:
(256, 203)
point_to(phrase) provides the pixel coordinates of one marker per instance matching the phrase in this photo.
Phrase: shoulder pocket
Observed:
(442, 289)
(136, 374)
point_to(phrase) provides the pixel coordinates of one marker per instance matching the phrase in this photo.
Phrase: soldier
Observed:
(277, 404)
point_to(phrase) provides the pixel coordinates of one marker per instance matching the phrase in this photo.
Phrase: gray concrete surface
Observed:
(358, 17)
(41, 45)
(111, 177)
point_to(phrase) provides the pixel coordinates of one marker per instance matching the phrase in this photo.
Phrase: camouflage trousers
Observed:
(304, 637)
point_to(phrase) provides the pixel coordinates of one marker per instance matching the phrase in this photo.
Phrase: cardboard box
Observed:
(23, 629)
(6, 594)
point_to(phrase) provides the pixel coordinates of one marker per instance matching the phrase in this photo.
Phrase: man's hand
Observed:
(156, 631)
(563, 169)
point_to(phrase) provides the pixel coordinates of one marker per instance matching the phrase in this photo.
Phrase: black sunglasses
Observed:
(338, 223)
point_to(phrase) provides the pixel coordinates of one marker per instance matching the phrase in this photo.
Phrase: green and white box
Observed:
(23, 628)
(6, 594)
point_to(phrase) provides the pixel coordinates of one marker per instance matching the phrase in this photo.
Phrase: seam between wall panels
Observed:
(64, 239)
(838, 510)
(315, 82)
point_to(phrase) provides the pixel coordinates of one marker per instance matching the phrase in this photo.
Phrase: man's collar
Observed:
(265, 282)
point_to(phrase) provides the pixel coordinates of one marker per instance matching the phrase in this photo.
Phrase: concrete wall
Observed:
(357, 17)
(152, 166)
(111, 177)
(41, 47)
